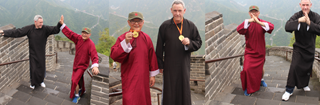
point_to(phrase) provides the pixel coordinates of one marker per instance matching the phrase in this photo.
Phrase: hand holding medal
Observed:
(128, 37)
(185, 41)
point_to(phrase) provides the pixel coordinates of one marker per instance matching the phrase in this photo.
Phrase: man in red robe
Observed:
(134, 50)
(85, 49)
(254, 56)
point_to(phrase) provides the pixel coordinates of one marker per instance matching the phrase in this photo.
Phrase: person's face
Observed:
(136, 23)
(38, 23)
(305, 5)
(254, 12)
(85, 35)
(178, 11)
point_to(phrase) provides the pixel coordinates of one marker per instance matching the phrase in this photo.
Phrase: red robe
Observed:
(135, 67)
(85, 49)
(254, 55)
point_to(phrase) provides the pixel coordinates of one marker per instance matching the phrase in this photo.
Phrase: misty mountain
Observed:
(21, 13)
(95, 7)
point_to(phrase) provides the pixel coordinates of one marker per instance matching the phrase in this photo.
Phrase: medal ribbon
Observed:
(134, 30)
(134, 43)
(180, 31)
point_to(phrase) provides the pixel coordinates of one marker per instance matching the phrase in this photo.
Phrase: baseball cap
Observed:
(253, 7)
(134, 15)
(87, 30)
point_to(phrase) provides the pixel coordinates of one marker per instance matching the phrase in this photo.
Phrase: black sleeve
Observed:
(160, 46)
(20, 32)
(315, 24)
(195, 41)
(53, 29)
(292, 23)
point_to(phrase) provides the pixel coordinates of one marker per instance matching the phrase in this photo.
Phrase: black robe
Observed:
(37, 45)
(176, 64)
(303, 48)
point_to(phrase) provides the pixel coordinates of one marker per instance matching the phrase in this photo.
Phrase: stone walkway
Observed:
(276, 71)
(57, 87)
(114, 79)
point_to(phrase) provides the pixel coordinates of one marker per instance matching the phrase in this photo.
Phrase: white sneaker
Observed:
(32, 87)
(307, 89)
(43, 85)
(286, 96)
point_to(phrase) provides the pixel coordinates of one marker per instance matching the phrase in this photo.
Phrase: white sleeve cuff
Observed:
(126, 47)
(308, 28)
(154, 73)
(63, 25)
(246, 24)
(266, 28)
(186, 47)
(95, 65)
(298, 26)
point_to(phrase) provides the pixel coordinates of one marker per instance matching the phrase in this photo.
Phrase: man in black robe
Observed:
(177, 38)
(306, 25)
(37, 34)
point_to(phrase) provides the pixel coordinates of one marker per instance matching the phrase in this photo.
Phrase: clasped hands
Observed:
(255, 19)
(304, 19)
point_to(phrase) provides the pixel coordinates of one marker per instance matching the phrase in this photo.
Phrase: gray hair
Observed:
(309, 1)
(178, 2)
(37, 17)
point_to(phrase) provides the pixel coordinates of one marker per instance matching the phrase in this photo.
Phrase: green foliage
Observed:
(268, 46)
(59, 38)
(105, 43)
(292, 40)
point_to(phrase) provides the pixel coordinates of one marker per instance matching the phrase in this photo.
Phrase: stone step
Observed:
(215, 102)
(46, 95)
(245, 100)
(264, 93)
(118, 102)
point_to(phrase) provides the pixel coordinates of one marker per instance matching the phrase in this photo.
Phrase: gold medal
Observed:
(181, 37)
(135, 34)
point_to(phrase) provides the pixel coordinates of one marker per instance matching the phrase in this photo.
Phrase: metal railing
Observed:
(224, 58)
(17, 61)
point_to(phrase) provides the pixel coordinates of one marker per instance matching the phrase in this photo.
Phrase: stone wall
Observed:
(100, 83)
(65, 46)
(197, 73)
(221, 41)
(15, 49)
(286, 52)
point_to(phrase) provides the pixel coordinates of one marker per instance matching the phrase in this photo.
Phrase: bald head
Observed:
(306, 0)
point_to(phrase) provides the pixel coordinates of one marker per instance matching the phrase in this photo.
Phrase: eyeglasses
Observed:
(133, 22)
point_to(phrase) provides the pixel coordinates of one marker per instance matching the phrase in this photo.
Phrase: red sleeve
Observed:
(117, 52)
(241, 29)
(70, 34)
(271, 26)
(93, 54)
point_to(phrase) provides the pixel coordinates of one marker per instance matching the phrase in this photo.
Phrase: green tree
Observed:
(59, 38)
(292, 40)
(105, 43)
